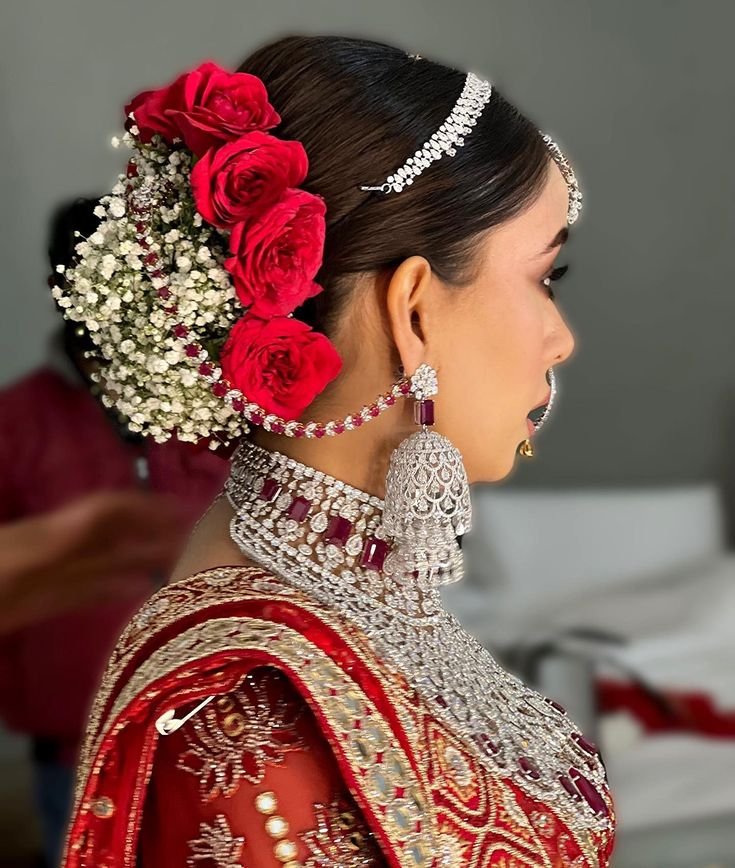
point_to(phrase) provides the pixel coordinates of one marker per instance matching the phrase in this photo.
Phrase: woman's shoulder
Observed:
(248, 613)
(207, 600)
(200, 640)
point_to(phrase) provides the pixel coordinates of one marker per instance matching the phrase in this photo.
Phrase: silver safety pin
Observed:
(168, 723)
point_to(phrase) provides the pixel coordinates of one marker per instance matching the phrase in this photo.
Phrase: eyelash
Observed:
(556, 274)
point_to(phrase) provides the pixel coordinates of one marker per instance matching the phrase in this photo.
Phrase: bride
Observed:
(334, 265)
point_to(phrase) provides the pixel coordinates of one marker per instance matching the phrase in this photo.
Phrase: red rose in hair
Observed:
(149, 108)
(234, 183)
(276, 256)
(280, 363)
(205, 107)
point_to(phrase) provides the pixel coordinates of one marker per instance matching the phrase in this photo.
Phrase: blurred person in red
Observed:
(58, 445)
(84, 553)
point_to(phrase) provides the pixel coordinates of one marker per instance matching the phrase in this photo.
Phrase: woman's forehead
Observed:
(539, 229)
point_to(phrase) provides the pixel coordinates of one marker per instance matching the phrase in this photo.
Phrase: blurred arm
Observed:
(82, 553)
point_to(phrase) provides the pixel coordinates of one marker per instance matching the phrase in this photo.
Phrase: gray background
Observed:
(639, 95)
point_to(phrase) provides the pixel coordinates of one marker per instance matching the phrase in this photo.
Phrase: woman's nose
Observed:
(564, 341)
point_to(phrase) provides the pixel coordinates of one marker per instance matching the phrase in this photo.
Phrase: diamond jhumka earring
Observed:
(427, 495)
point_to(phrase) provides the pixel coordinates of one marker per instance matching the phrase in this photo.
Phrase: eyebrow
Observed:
(561, 237)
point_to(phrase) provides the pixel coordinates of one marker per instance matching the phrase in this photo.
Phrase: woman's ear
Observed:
(407, 310)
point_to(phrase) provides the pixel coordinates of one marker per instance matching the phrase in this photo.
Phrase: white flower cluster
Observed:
(146, 268)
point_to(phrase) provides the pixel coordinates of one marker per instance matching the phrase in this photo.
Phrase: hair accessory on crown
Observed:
(475, 95)
(450, 135)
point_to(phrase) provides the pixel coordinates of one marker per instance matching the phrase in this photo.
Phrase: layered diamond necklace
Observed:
(326, 538)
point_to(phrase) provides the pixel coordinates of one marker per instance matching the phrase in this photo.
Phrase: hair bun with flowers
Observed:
(205, 248)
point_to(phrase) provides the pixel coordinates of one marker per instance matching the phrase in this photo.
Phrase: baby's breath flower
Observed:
(148, 377)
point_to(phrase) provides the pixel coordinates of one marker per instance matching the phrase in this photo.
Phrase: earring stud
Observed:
(526, 449)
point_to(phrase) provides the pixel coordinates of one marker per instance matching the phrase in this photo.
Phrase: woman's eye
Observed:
(556, 274)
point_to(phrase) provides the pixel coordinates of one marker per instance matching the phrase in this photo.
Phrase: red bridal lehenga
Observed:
(319, 710)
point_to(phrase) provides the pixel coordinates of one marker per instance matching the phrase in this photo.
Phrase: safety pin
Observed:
(168, 723)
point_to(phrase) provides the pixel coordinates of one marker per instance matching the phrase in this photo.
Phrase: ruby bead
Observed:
(151, 259)
(373, 553)
(299, 508)
(338, 530)
(205, 369)
(132, 170)
(405, 388)
(357, 421)
(374, 410)
(270, 489)
(299, 431)
(219, 389)
(238, 404)
(390, 400)
(339, 427)
(157, 273)
(589, 792)
(423, 412)
(277, 427)
(180, 331)
(485, 743)
(191, 350)
(569, 787)
(556, 705)
(529, 767)
(585, 744)
(141, 228)
(164, 292)
(257, 418)
(319, 431)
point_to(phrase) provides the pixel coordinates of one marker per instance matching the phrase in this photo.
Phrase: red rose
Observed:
(276, 256)
(280, 363)
(234, 183)
(149, 108)
(205, 107)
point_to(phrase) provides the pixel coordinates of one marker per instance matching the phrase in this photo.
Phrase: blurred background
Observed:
(603, 570)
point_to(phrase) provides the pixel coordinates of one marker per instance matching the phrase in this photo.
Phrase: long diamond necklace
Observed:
(325, 537)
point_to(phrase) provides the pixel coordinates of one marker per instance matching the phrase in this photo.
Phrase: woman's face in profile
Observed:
(501, 335)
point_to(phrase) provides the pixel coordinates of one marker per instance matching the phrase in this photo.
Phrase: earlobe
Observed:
(406, 309)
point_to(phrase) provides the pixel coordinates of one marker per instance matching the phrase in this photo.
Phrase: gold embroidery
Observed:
(103, 807)
(266, 802)
(234, 737)
(237, 584)
(285, 851)
(363, 738)
(216, 845)
(544, 823)
(276, 826)
(457, 766)
(340, 838)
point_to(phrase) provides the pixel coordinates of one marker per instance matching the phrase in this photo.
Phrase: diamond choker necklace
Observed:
(326, 538)
(304, 519)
